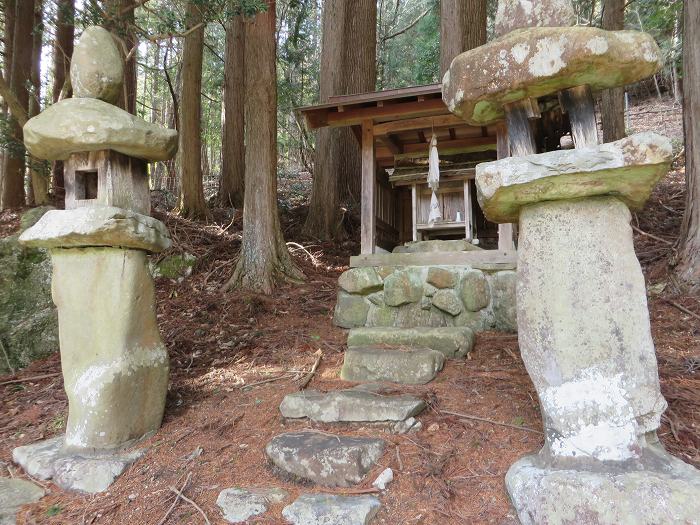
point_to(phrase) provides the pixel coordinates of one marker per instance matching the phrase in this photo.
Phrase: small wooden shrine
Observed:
(394, 130)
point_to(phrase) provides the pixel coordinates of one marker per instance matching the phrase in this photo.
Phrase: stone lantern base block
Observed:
(74, 472)
(666, 494)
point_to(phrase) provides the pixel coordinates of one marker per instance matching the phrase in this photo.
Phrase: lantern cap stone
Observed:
(97, 67)
(541, 61)
(78, 125)
(517, 14)
(628, 169)
(97, 227)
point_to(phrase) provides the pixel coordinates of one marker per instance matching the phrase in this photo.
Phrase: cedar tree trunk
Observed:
(264, 259)
(613, 100)
(462, 27)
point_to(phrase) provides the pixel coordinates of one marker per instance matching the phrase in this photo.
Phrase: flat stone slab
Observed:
(13, 494)
(239, 505)
(329, 509)
(405, 365)
(541, 61)
(435, 246)
(621, 496)
(449, 341)
(77, 125)
(325, 459)
(99, 226)
(353, 405)
(70, 471)
(628, 169)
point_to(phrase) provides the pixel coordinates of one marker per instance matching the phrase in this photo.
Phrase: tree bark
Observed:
(120, 20)
(8, 35)
(264, 259)
(38, 172)
(348, 65)
(687, 261)
(192, 203)
(613, 100)
(13, 194)
(62, 55)
(232, 185)
(462, 27)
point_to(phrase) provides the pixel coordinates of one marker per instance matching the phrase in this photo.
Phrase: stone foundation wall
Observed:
(427, 296)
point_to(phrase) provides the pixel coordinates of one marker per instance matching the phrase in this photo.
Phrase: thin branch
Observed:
(491, 422)
(409, 26)
(18, 112)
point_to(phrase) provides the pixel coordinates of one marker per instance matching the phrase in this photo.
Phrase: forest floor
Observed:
(235, 356)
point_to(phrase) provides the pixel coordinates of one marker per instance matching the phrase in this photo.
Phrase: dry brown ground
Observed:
(215, 428)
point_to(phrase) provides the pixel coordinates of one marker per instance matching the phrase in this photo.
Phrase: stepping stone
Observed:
(239, 505)
(73, 472)
(405, 365)
(325, 459)
(350, 406)
(450, 341)
(13, 494)
(329, 509)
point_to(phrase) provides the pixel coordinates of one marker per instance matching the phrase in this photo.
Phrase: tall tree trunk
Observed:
(38, 172)
(688, 249)
(20, 77)
(232, 187)
(264, 259)
(613, 100)
(62, 55)
(462, 27)
(348, 65)
(120, 21)
(192, 203)
(7, 38)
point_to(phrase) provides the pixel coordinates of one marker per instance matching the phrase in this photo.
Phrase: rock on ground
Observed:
(238, 504)
(350, 405)
(28, 318)
(405, 365)
(13, 494)
(328, 460)
(94, 474)
(328, 509)
(450, 341)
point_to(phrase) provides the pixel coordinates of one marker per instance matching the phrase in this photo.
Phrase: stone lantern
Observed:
(583, 320)
(114, 363)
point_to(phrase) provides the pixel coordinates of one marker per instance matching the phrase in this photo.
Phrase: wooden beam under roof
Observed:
(421, 123)
(392, 143)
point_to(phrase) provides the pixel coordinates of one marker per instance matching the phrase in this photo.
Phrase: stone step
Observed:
(450, 341)
(326, 509)
(238, 505)
(354, 405)
(405, 365)
(13, 494)
(325, 459)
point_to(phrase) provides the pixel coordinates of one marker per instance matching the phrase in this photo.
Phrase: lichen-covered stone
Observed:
(238, 505)
(13, 494)
(176, 266)
(350, 310)
(517, 14)
(403, 287)
(332, 509)
(628, 169)
(451, 341)
(98, 226)
(665, 491)
(91, 472)
(442, 277)
(541, 61)
(116, 390)
(405, 365)
(474, 290)
(447, 301)
(28, 318)
(352, 405)
(437, 246)
(77, 125)
(381, 316)
(97, 69)
(331, 461)
(360, 280)
(376, 298)
(503, 293)
(413, 315)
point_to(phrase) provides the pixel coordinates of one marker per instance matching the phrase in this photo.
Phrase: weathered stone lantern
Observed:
(583, 320)
(115, 366)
